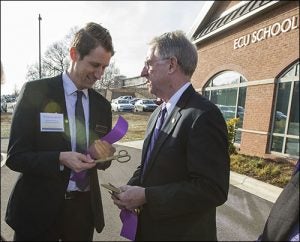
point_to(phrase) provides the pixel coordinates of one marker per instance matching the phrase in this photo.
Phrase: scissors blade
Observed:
(105, 159)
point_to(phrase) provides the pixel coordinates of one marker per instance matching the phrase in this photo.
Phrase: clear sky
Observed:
(132, 25)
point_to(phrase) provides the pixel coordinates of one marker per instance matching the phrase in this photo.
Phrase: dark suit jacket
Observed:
(284, 214)
(187, 175)
(38, 195)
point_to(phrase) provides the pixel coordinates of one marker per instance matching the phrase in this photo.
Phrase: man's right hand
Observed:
(76, 161)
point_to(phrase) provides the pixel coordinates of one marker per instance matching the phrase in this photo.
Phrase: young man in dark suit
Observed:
(184, 173)
(57, 195)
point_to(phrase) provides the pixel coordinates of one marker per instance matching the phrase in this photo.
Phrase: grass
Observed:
(266, 170)
(137, 123)
(277, 173)
(5, 124)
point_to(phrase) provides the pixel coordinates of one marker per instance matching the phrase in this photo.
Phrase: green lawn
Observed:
(269, 171)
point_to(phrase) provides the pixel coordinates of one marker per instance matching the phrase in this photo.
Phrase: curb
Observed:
(261, 189)
(3, 159)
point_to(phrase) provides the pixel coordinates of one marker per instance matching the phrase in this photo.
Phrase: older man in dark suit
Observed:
(184, 173)
(57, 195)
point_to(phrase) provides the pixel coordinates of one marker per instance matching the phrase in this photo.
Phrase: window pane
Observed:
(294, 113)
(290, 73)
(237, 137)
(226, 78)
(225, 100)
(282, 106)
(206, 94)
(277, 143)
(292, 147)
(241, 106)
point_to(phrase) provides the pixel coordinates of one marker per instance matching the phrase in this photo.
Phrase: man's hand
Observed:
(76, 161)
(101, 150)
(131, 197)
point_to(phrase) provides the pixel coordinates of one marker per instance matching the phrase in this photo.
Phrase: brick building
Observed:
(249, 66)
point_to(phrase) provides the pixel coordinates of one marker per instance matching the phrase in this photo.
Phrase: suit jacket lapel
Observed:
(149, 131)
(167, 128)
(57, 103)
(99, 124)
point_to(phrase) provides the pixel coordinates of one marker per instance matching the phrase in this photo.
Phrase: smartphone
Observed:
(111, 188)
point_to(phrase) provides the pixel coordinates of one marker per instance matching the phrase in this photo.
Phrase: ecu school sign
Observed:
(267, 32)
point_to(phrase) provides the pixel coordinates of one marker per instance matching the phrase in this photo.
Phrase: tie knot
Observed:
(163, 112)
(79, 94)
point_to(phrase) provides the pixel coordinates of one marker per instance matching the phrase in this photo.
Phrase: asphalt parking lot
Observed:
(241, 218)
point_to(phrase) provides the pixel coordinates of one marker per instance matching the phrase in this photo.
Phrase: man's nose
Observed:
(144, 72)
(99, 73)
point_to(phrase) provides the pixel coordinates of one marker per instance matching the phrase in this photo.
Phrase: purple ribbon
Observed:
(129, 220)
(117, 132)
(114, 135)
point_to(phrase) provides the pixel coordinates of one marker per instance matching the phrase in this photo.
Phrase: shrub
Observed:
(231, 134)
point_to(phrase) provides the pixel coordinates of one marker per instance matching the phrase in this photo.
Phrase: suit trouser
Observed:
(74, 224)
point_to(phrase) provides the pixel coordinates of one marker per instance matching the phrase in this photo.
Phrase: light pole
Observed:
(40, 68)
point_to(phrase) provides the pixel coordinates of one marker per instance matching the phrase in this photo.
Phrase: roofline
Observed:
(202, 14)
(234, 22)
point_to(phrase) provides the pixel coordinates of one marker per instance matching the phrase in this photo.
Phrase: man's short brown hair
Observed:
(90, 37)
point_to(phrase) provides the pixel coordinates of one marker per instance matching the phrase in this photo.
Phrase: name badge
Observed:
(52, 122)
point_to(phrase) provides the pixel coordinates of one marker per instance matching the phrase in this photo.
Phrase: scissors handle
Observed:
(121, 157)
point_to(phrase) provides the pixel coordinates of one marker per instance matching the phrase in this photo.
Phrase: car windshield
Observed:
(123, 101)
(148, 102)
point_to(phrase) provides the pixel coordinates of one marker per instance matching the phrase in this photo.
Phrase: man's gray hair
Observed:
(178, 45)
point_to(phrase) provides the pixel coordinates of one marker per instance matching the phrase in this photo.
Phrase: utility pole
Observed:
(40, 67)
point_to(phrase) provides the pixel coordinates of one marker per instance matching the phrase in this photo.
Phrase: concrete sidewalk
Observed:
(248, 184)
(241, 218)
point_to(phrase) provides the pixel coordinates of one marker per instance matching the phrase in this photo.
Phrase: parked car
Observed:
(134, 100)
(3, 105)
(227, 111)
(145, 105)
(280, 115)
(121, 105)
(11, 106)
(125, 97)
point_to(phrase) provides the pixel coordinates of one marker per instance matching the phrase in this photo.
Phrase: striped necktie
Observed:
(80, 178)
(159, 123)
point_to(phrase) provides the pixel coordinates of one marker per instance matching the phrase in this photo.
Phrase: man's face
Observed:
(90, 69)
(155, 71)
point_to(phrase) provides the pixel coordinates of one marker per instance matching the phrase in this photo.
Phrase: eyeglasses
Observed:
(149, 63)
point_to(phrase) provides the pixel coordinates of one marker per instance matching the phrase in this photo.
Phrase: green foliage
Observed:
(269, 171)
(231, 134)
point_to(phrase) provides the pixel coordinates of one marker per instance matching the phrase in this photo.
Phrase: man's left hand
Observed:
(131, 197)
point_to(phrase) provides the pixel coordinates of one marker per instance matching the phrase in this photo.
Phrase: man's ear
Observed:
(173, 64)
(73, 54)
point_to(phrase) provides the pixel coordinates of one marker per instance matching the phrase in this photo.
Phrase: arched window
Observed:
(285, 132)
(228, 91)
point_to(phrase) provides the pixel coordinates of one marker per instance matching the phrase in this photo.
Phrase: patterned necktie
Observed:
(80, 178)
(159, 123)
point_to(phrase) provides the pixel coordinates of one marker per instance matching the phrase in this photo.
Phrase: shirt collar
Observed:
(70, 87)
(170, 105)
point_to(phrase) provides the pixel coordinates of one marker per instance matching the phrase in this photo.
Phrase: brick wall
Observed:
(258, 61)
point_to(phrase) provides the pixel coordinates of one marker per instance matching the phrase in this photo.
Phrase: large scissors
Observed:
(121, 157)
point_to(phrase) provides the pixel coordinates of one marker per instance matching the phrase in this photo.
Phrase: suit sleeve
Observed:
(207, 182)
(135, 179)
(23, 155)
